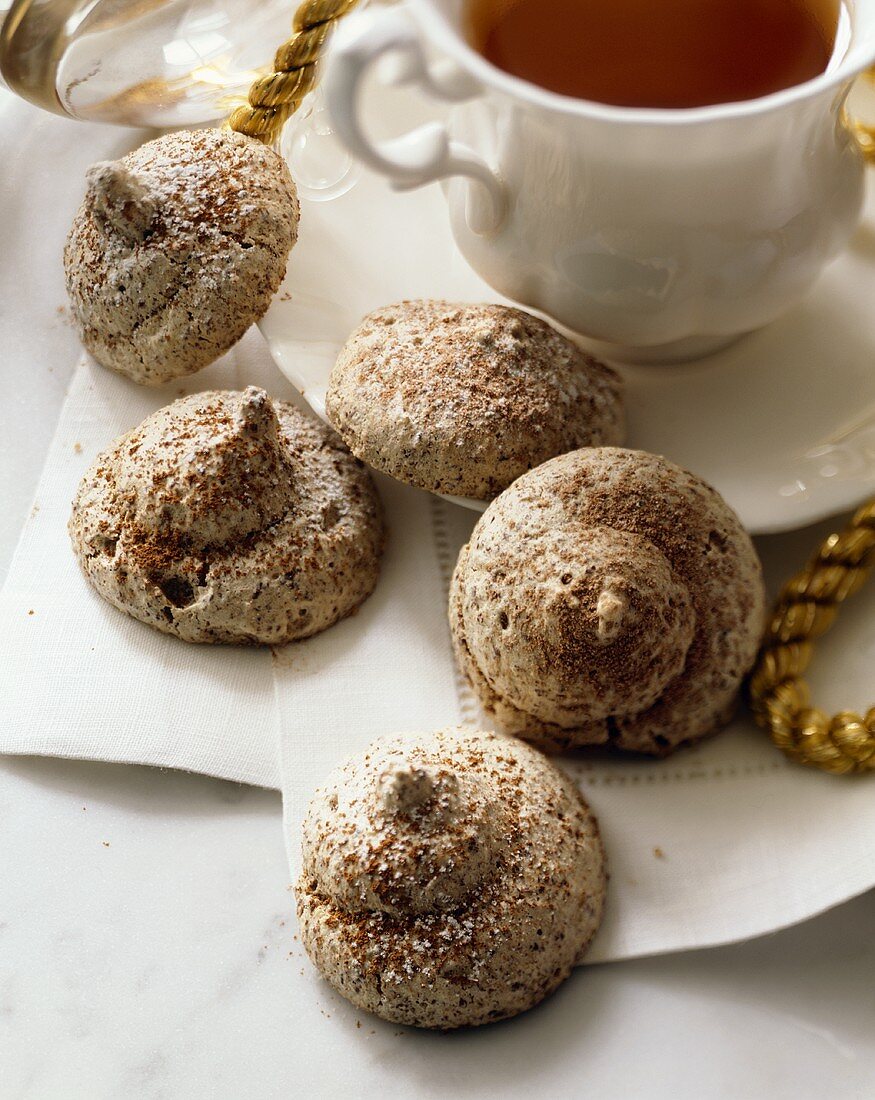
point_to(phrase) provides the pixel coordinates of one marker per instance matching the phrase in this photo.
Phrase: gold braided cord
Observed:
(806, 608)
(276, 96)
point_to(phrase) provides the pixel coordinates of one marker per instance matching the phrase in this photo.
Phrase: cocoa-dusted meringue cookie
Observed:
(449, 879)
(608, 597)
(462, 399)
(177, 249)
(228, 517)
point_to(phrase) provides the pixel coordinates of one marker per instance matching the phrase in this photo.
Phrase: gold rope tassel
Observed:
(276, 96)
(806, 608)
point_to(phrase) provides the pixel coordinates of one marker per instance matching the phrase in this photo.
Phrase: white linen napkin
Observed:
(721, 842)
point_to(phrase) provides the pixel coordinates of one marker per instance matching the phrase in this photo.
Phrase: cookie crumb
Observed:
(658, 853)
(77, 448)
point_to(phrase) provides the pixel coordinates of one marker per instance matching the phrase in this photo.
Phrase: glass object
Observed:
(322, 167)
(139, 62)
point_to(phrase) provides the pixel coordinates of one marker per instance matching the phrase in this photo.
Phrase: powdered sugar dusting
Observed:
(608, 597)
(467, 900)
(226, 517)
(462, 399)
(177, 249)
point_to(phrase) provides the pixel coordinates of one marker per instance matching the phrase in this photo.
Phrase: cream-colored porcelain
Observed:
(782, 422)
(663, 233)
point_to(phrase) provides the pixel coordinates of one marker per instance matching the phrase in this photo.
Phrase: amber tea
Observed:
(657, 53)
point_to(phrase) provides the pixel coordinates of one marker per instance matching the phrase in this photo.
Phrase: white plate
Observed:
(782, 423)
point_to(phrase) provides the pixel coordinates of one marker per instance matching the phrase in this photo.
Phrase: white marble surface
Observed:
(146, 932)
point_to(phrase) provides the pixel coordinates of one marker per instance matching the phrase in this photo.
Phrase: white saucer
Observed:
(782, 423)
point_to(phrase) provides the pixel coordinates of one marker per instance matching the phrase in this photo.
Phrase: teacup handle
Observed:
(427, 153)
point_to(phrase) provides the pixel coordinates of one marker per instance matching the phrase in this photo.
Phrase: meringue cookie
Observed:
(227, 517)
(177, 249)
(608, 597)
(449, 879)
(462, 399)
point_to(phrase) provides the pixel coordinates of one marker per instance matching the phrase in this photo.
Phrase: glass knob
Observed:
(158, 63)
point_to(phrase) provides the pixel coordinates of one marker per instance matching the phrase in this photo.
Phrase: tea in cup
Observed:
(672, 54)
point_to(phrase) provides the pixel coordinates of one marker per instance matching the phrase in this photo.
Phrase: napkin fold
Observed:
(721, 842)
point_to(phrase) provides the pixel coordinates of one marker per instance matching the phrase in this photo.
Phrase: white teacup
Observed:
(663, 234)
